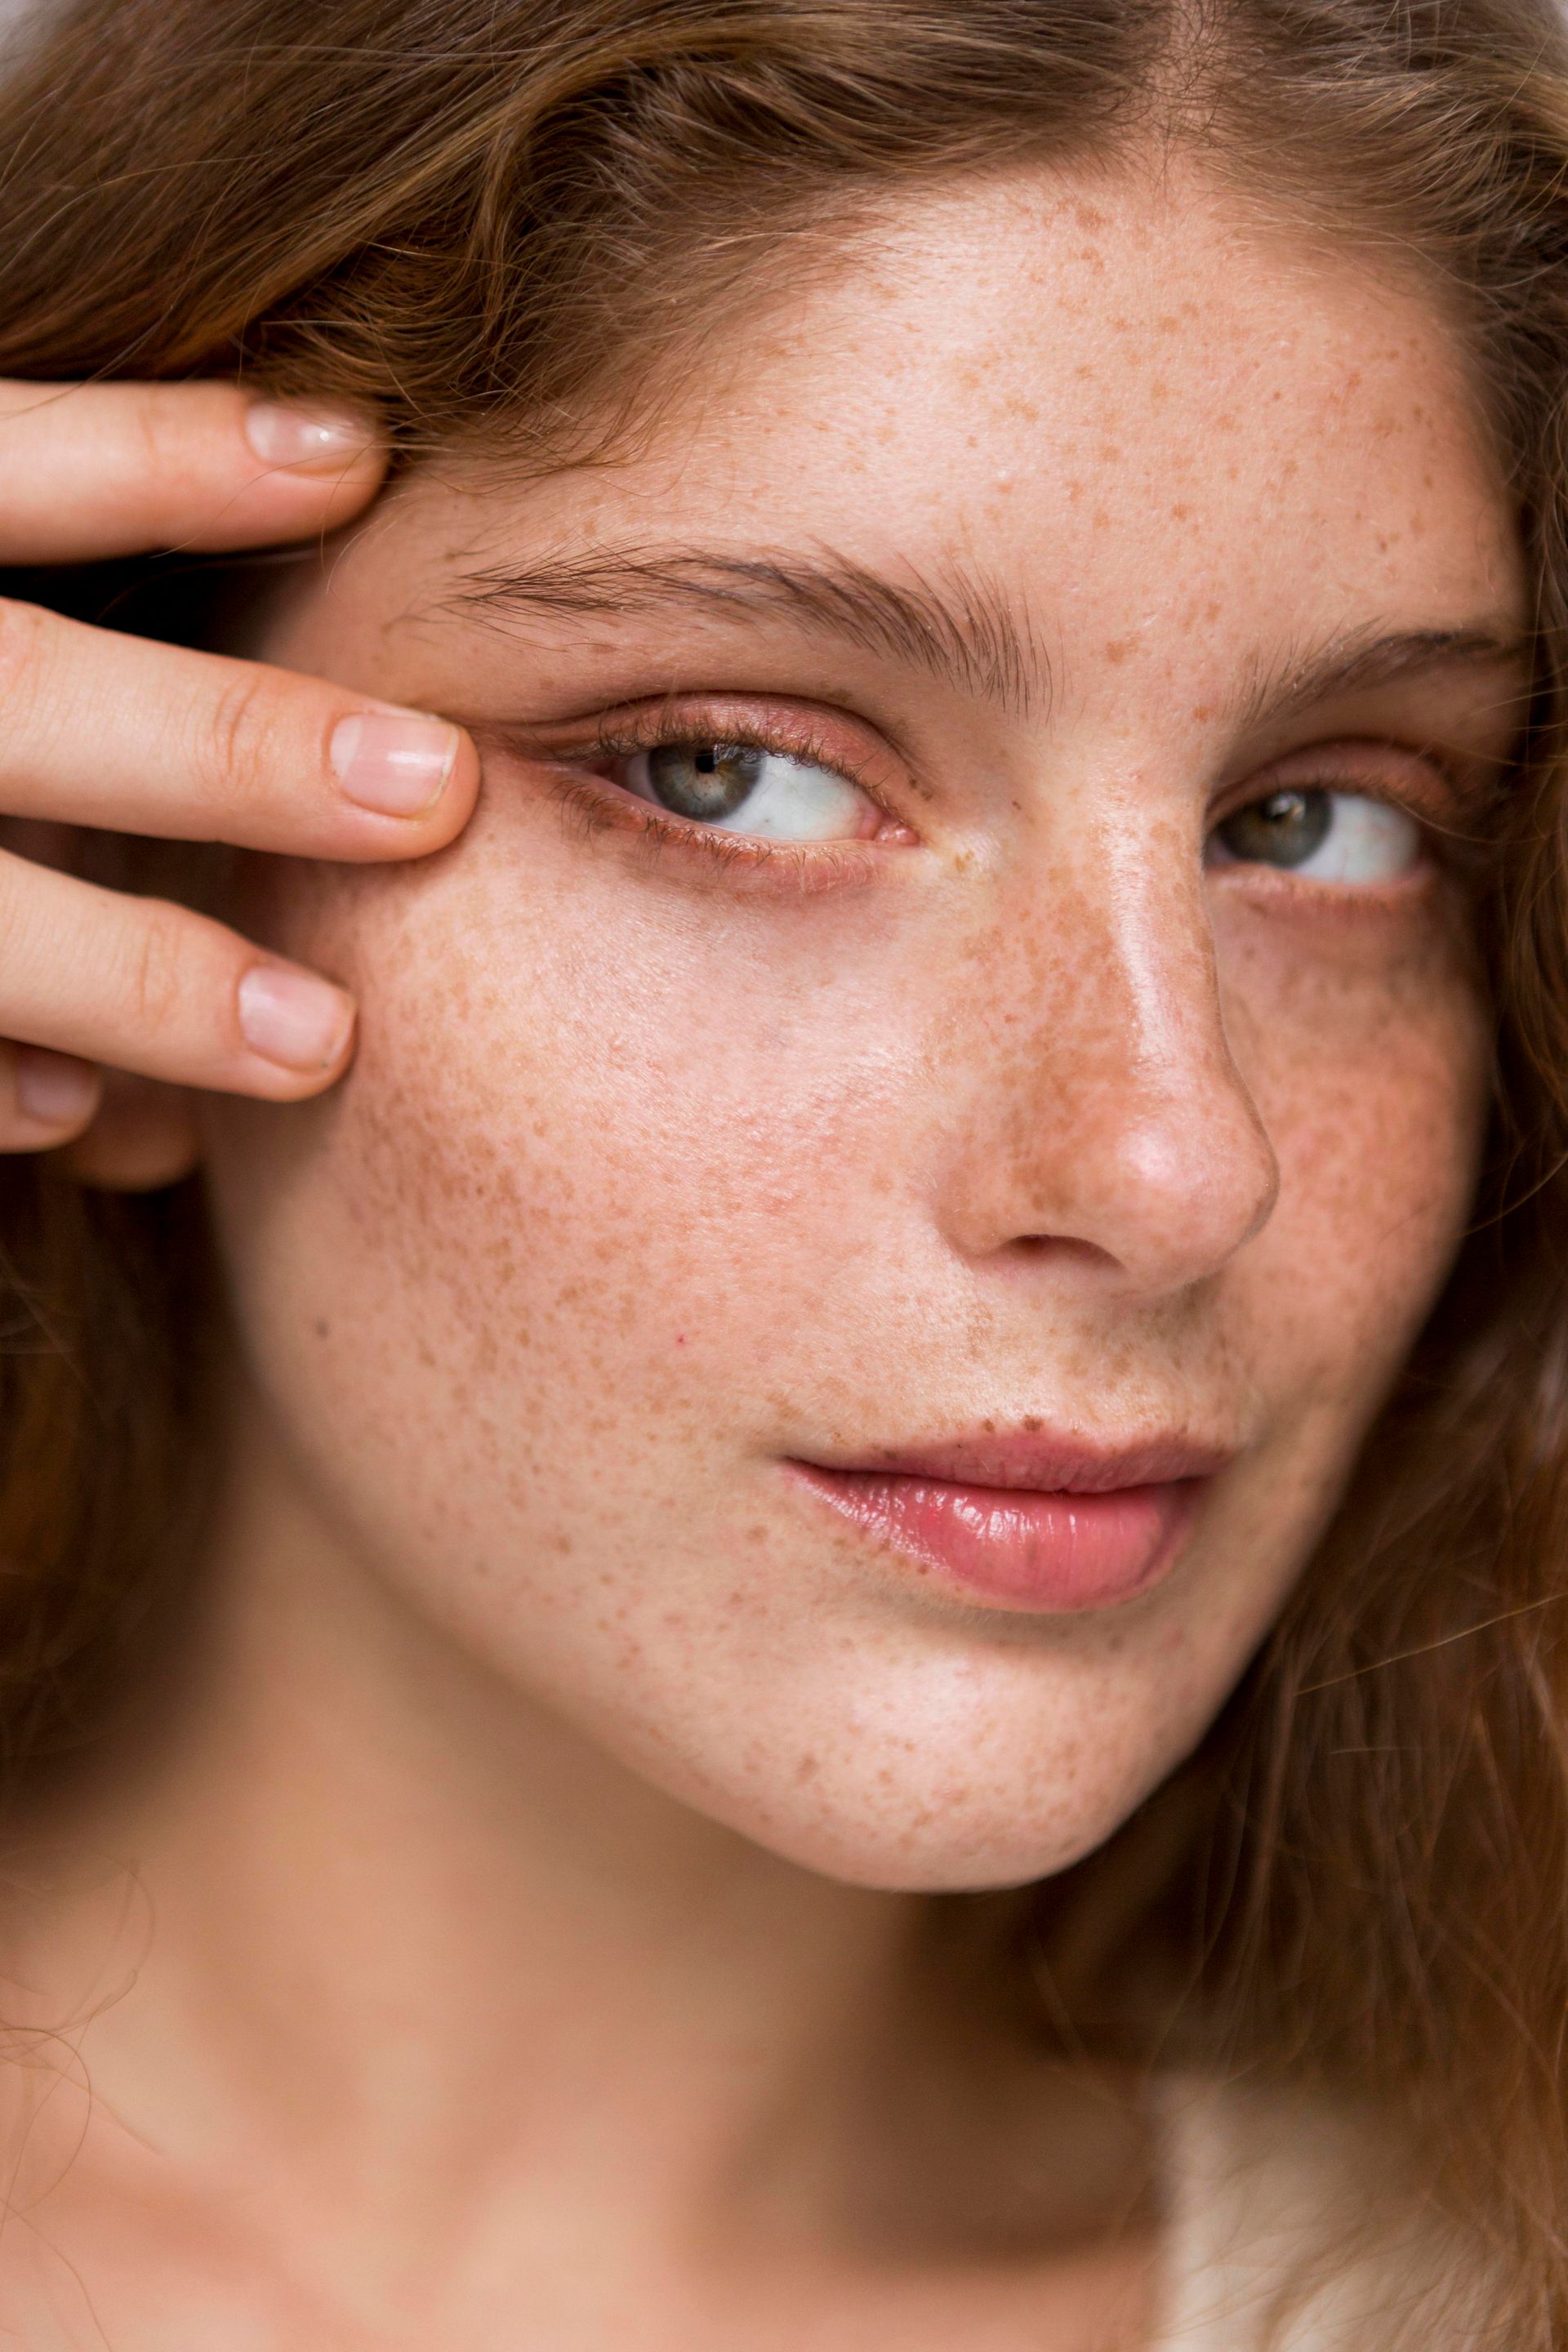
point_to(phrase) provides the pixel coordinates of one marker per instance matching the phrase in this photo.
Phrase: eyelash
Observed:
(800, 867)
(600, 805)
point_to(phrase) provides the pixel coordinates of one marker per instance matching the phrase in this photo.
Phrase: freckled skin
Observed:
(646, 1177)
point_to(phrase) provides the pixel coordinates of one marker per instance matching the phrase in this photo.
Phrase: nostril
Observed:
(1065, 1249)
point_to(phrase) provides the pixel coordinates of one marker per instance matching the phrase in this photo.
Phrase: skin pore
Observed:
(509, 1929)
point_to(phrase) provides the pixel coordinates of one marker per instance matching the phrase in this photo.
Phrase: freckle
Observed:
(1116, 651)
(1031, 1421)
(808, 1769)
(989, 1427)
(1181, 513)
(322, 1327)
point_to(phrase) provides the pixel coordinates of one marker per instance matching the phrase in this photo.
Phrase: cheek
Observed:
(586, 1172)
(610, 1188)
(1367, 1054)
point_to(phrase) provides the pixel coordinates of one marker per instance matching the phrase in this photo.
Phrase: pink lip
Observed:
(1028, 1521)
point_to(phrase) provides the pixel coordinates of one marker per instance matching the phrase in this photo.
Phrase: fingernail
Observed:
(290, 1018)
(395, 762)
(53, 1088)
(282, 435)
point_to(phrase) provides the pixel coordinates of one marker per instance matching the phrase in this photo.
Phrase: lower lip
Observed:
(1015, 1548)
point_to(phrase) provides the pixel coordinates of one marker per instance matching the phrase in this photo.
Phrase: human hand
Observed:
(108, 732)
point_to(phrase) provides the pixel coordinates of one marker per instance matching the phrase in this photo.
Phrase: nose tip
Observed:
(1191, 1179)
(1119, 1123)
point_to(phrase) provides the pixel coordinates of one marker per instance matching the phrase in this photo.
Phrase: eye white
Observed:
(784, 799)
(1366, 841)
(1369, 842)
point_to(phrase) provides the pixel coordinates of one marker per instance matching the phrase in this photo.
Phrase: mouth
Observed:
(1026, 1520)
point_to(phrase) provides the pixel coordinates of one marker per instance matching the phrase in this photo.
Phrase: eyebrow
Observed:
(1363, 659)
(960, 628)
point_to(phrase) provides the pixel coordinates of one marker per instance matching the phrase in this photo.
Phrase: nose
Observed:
(1109, 1114)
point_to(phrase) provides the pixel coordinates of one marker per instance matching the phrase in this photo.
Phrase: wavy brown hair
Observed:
(511, 218)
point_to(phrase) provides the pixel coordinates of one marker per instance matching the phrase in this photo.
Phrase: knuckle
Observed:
(237, 730)
(160, 433)
(182, 439)
(24, 632)
(157, 979)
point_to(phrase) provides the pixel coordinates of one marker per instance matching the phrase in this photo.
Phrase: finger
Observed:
(142, 1137)
(108, 730)
(148, 986)
(102, 470)
(46, 1099)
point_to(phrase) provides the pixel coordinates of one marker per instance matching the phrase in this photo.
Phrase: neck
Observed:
(366, 1926)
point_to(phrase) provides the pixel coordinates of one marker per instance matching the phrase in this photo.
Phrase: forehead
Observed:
(1122, 403)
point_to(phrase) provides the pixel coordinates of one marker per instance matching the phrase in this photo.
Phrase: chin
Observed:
(912, 1841)
(934, 1858)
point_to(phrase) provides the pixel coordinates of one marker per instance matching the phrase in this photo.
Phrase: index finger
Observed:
(92, 470)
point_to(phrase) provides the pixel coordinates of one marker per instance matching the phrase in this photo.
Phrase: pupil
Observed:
(704, 781)
(1283, 829)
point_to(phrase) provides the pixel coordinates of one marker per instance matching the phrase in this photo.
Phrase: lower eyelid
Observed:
(796, 867)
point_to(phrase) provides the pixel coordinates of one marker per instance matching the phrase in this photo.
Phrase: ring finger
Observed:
(148, 986)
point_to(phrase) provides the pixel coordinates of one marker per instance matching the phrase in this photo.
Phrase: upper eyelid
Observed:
(1349, 766)
(688, 712)
(571, 746)
(801, 730)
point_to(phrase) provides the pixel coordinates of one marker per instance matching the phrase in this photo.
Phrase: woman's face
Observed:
(953, 986)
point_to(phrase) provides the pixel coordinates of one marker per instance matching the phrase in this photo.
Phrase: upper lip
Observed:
(1045, 1461)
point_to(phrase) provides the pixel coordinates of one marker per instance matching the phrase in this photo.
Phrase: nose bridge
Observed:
(1119, 1118)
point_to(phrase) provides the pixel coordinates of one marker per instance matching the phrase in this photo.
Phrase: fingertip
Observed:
(55, 1095)
(323, 448)
(463, 786)
(419, 770)
(449, 811)
(143, 1138)
(305, 468)
(301, 437)
(298, 1030)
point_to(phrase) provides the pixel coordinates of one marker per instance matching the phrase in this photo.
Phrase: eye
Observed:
(1324, 836)
(744, 788)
